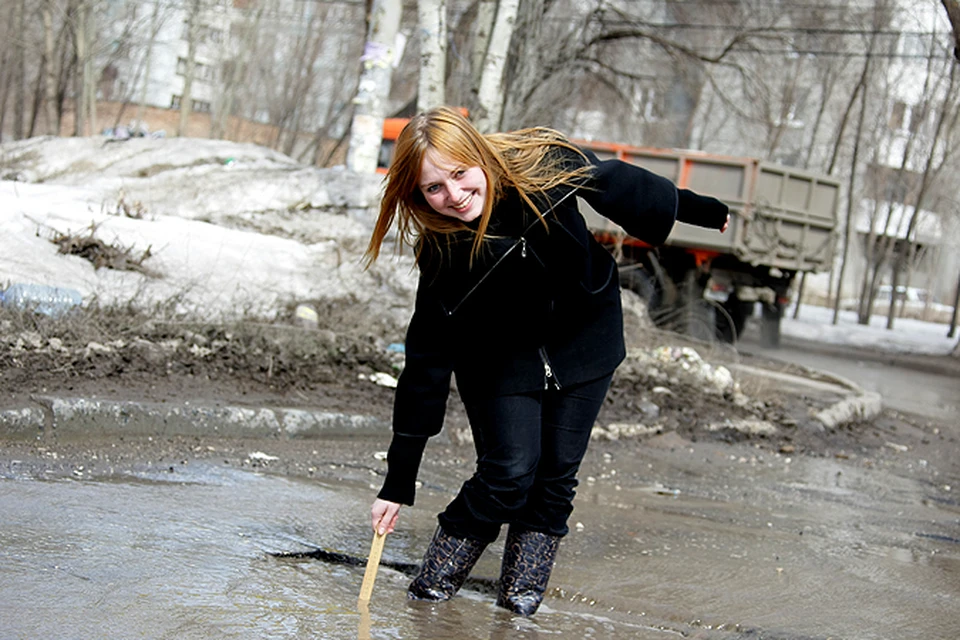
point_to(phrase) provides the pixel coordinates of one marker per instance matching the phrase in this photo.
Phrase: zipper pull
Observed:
(523, 247)
(548, 375)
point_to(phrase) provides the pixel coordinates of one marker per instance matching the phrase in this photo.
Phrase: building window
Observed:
(917, 117)
(200, 106)
(914, 45)
(646, 103)
(202, 72)
(205, 34)
(897, 112)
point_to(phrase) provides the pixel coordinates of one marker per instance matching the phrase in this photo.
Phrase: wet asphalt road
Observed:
(908, 386)
(669, 539)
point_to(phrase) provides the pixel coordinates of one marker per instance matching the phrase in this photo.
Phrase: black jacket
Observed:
(539, 298)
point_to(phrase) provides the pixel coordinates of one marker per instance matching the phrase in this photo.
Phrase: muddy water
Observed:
(728, 544)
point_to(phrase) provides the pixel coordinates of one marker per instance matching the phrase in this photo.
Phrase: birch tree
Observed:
(85, 84)
(366, 129)
(193, 36)
(432, 27)
(483, 26)
(490, 93)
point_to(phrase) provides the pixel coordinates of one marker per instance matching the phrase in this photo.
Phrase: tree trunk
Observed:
(851, 192)
(50, 76)
(148, 66)
(431, 90)
(929, 172)
(19, 71)
(186, 101)
(90, 75)
(80, 82)
(486, 14)
(246, 48)
(366, 129)
(800, 288)
(525, 74)
(953, 316)
(490, 98)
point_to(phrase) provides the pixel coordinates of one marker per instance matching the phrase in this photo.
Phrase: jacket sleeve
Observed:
(640, 201)
(645, 204)
(702, 211)
(421, 397)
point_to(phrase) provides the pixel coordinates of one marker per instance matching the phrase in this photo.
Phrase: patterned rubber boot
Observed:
(446, 564)
(528, 559)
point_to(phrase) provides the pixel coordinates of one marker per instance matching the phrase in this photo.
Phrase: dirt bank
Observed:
(666, 387)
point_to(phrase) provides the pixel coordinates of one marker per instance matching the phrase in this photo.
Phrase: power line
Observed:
(788, 30)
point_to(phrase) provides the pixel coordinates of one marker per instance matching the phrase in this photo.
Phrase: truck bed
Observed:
(780, 216)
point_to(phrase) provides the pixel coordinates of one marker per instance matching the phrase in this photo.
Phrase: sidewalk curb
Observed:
(82, 417)
(855, 404)
(865, 406)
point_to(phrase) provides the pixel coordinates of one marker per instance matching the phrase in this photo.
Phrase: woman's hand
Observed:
(725, 224)
(384, 515)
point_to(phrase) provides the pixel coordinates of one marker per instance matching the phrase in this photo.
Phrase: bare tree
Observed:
(490, 94)
(937, 157)
(50, 69)
(366, 130)
(849, 229)
(237, 67)
(156, 23)
(485, 15)
(299, 78)
(193, 35)
(19, 74)
(433, 53)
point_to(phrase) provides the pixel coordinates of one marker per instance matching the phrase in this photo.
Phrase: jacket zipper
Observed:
(550, 380)
(521, 242)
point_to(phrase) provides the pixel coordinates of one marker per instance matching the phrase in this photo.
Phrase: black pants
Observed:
(529, 449)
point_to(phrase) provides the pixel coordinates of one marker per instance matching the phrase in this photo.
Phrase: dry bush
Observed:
(102, 255)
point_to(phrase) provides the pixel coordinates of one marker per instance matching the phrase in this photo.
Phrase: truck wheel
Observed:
(647, 287)
(698, 315)
(731, 318)
(770, 325)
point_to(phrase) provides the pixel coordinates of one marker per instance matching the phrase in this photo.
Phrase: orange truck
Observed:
(783, 223)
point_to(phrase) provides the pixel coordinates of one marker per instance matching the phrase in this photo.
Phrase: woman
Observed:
(519, 301)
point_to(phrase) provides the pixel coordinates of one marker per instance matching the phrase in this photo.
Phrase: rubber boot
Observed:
(528, 559)
(446, 564)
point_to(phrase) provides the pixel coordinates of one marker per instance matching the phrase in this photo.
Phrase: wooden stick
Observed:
(373, 562)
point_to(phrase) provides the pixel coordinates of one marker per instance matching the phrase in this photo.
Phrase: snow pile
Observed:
(229, 228)
(685, 365)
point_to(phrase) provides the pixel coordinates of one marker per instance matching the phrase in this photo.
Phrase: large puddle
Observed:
(728, 547)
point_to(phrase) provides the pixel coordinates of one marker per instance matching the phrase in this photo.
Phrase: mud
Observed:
(198, 537)
(680, 531)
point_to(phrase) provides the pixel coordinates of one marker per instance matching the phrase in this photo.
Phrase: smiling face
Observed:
(452, 189)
